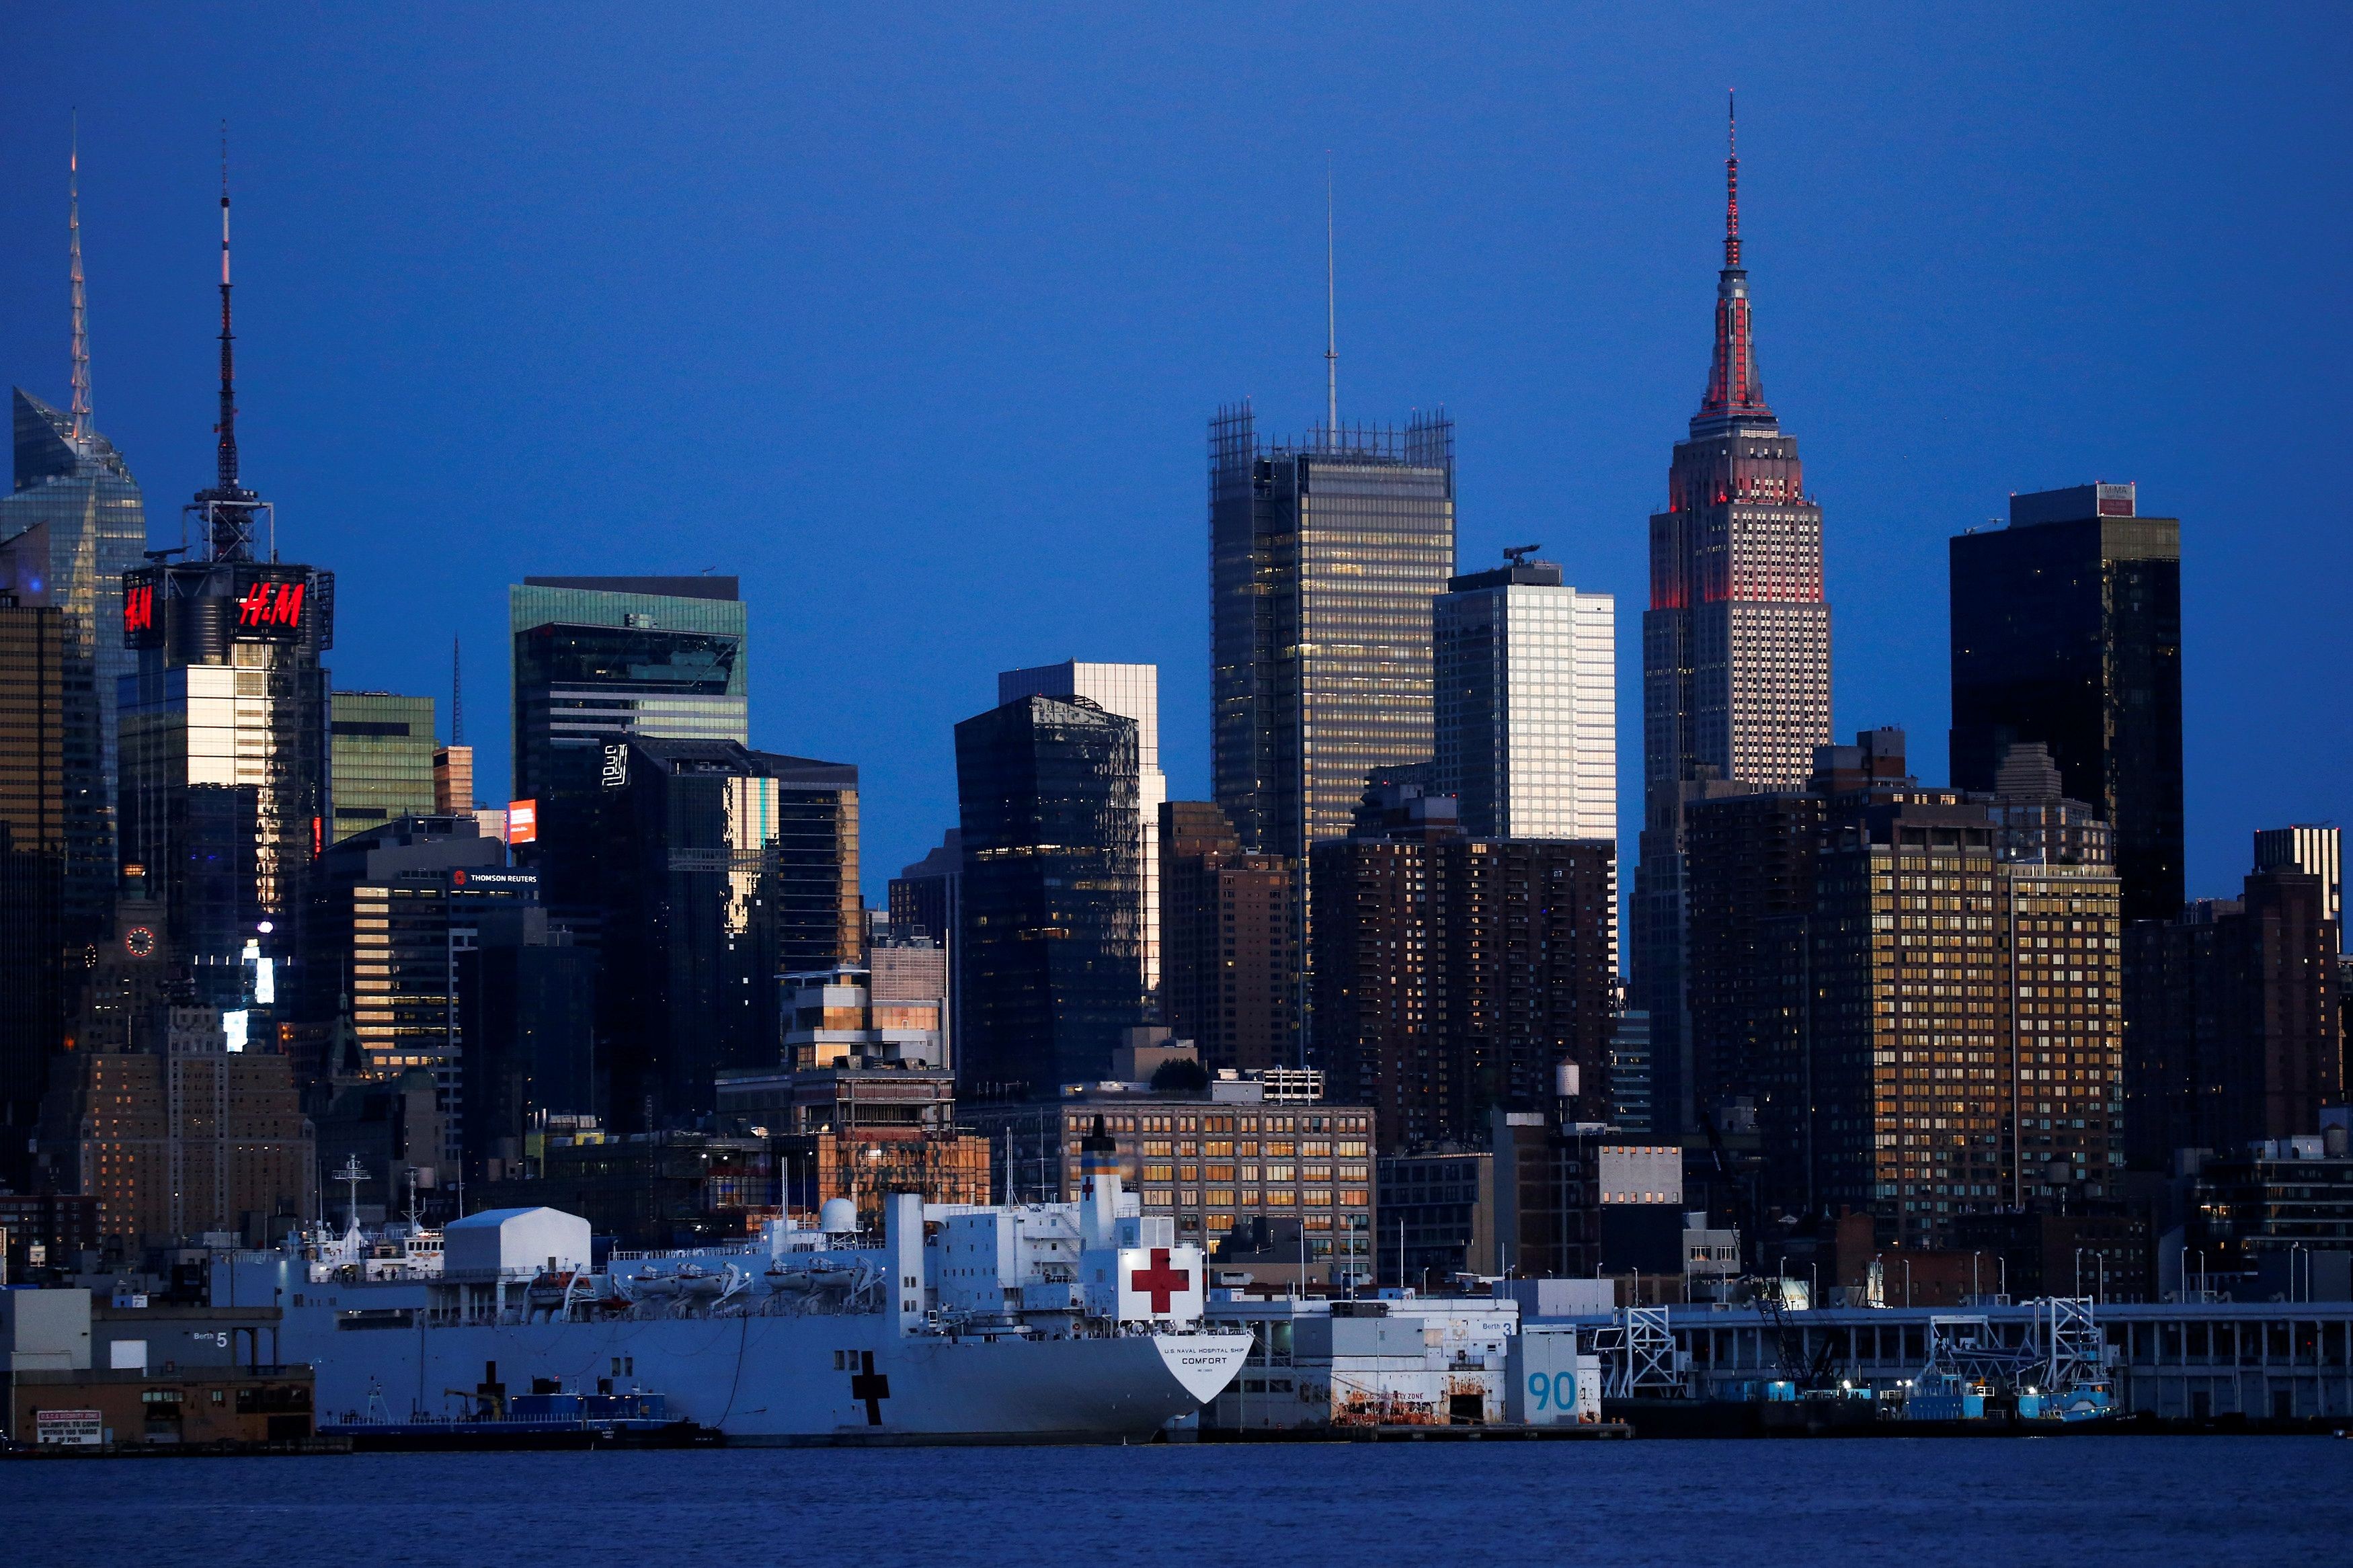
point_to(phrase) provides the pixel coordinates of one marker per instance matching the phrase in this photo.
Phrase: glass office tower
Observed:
(2066, 630)
(1132, 692)
(74, 524)
(1050, 953)
(382, 759)
(1324, 558)
(598, 660)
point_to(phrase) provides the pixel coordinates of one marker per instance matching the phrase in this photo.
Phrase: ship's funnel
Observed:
(1098, 1188)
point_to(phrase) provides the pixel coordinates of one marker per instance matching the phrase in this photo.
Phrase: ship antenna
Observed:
(80, 298)
(353, 1175)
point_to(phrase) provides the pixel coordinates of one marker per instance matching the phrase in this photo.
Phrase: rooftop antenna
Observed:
(1330, 316)
(227, 458)
(457, 699)
(80, 298)
(229, 512)
(1731, 184)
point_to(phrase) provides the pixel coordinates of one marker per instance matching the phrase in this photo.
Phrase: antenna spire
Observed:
(1733, 390)
(1731, 184)
(81, 438)
(457, 699)
(227, 427)
(1331, 319)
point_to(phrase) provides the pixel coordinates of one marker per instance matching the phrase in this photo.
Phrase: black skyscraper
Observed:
(2067, 630)
(723, 869)
(1051, 962)
(32, 654)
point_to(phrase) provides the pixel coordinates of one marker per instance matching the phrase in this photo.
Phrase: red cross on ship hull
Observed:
(1160, 1281)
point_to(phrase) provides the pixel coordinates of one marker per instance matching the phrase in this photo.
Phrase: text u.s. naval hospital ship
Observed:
(1047, 1323)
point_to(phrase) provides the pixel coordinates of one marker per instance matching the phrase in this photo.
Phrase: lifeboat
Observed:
(697, 1283)
(651, 1284)
(807, 1273)
(551, 1289)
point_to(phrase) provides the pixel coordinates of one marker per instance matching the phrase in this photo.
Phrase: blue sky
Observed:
(913, 318)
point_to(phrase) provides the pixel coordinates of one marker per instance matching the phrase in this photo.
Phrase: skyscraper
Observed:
(927, 897)
(2234, 1031)
(2316, 848)
(596, 661)
(397, 903)
(1324, 558)
(1049, 952)
(1527, 704)
(2066, 630)
(224, 725)
(1228, 974)
(925, 894)
(177, 1142)
(453, 779)
(725, 868)
(1736, 643)
(32, 866)
(1919, 1004)
(1132, 692)
(74, 524)
(1453, 975)
(380, 757)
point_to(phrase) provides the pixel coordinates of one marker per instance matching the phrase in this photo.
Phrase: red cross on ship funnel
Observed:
(1160, 1281)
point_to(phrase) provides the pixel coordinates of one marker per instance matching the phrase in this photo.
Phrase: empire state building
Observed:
(1735, 645)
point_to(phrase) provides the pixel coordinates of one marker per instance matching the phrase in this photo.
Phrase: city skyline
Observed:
(149, 338)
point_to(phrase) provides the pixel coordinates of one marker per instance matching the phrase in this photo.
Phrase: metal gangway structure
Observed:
(1639, 1355)
(2060, 1352)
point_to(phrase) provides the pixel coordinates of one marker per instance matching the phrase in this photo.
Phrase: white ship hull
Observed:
(1045, 1323)
(766, 1379)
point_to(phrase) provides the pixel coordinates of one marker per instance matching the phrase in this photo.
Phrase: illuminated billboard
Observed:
(522, 822)
(264, 602)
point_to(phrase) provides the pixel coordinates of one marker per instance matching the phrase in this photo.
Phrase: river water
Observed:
(2069, 1502)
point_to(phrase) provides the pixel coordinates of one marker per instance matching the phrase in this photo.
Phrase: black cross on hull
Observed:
(871, 1386)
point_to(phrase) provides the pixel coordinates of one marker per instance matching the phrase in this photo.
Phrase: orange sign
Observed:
(522, 822)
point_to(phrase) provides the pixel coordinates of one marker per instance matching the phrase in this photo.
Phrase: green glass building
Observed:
(380, 759)
(599, 661)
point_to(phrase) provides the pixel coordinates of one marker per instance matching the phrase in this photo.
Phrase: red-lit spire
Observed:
(1734, 391)
(1731, 184)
